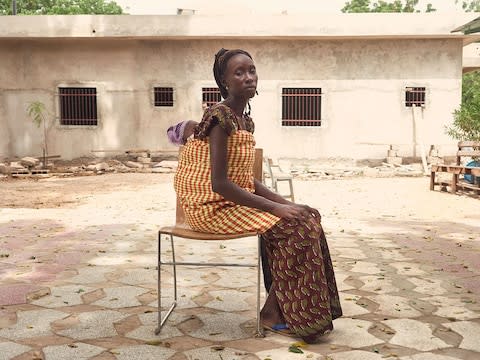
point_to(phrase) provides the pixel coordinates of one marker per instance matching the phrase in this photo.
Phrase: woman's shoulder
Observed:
(220, 114)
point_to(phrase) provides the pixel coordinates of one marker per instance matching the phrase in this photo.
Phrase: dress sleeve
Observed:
(217, 114)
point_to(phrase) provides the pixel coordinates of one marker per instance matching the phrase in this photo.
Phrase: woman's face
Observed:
(241, 77)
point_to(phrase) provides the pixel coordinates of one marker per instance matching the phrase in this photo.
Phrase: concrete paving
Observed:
(79, 282)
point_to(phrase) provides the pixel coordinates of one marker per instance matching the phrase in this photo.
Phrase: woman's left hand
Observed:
(307, 210)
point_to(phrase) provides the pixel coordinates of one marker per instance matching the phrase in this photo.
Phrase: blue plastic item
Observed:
(470, 178)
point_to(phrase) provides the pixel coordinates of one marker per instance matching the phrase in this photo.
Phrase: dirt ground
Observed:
(54, 192)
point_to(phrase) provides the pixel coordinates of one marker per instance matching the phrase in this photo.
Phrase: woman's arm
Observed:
(232, 192)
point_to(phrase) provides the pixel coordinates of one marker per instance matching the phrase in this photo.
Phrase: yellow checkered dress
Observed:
(208, 211)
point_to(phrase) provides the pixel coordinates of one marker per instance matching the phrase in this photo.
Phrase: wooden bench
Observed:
(466, 149)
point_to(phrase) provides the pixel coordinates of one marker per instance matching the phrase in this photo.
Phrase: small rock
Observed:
(135, 165)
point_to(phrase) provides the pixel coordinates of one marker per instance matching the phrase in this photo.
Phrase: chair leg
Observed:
(290, 182)
(259, 332)
(161, 321)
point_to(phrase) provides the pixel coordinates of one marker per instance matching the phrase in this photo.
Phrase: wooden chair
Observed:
(181, 229)
(276, 175)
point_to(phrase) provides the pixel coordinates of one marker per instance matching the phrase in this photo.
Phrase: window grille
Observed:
(414, 96)
(163, 96)
(211, 96)
(301, 107)
(78, 106)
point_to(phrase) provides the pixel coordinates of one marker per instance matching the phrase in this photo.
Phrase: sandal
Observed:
(281, 329)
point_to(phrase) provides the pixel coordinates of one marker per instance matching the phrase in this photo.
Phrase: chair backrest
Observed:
(257, 174)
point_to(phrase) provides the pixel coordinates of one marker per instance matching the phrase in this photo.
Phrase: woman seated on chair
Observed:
(217, 190)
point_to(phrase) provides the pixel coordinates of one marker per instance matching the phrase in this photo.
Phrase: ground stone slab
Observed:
(356, 355)
(139, 277)
(189, 277)
(121, 297)
(8, 350)
(281, 354)
(244, 278)
(392, 254)
(91, 275)
(221, 327)
(366, 268)
(34, 323)
(349, 306)
(352, 333)
(428, 356)
(414, 334)
(377, 284)
(229, 300)
(94, 325)
(470, 332)
(142, 352)
(63, 296)
(408, 269)
(12, 294)
(146, 331)
(209, 353)
(395, 306)
(71, 351)
(427, 286)
(185, 297)
(451, 308)
(340, 277)
(352, 253)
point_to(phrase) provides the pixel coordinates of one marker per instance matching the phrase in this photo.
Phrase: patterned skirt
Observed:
(302, 275)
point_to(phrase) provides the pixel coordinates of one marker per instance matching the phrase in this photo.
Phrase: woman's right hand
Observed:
(290, 211)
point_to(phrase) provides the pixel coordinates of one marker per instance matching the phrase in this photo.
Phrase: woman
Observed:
(219, 194)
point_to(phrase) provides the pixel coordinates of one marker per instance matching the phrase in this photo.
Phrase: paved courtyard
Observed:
(78, 278)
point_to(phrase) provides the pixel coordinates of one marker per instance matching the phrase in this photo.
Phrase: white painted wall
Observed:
(363, 79)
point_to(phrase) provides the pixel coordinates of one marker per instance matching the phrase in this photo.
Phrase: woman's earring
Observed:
(256, 92)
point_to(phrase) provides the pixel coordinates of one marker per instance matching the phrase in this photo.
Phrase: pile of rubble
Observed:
(24, 166)
(133, 161)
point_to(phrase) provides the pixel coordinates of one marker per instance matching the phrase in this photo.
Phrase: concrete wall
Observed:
(363, 81)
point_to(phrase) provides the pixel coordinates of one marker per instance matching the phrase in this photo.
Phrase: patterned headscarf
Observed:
(175, 133)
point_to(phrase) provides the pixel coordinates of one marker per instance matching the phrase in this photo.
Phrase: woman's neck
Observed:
(237, 105)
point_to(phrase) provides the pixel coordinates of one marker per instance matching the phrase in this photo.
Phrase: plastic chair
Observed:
(276, 175)
(182, 230)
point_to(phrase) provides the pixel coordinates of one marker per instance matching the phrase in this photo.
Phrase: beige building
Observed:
(329, 86)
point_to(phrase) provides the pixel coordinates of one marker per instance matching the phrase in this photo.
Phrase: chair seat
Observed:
(184, 231)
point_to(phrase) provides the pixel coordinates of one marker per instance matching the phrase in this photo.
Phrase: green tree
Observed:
(61, 7)
(469, 6)
(466, 123)
(380, 6)
(38, 113)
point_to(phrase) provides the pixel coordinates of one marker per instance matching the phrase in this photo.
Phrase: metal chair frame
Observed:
(277, 176)
(182, 230)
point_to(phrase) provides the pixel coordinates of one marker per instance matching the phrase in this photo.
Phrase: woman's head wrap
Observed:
(220, 66)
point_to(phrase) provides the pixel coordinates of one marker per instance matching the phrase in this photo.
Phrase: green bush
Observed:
(466, 123)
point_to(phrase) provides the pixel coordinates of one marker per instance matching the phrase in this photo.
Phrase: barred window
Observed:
(301, 107)
(414, 96)
(211, 95)
(78, 106)
(163, 96)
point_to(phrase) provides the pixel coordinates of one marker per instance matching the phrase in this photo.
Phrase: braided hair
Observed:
(220, 66)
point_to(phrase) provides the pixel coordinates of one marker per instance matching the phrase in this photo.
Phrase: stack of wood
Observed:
(25, 166)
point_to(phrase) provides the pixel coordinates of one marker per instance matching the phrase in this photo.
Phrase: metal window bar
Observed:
(301, 106)
(163, 96)
(78, 106)
(211, 96)
(414, 96)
